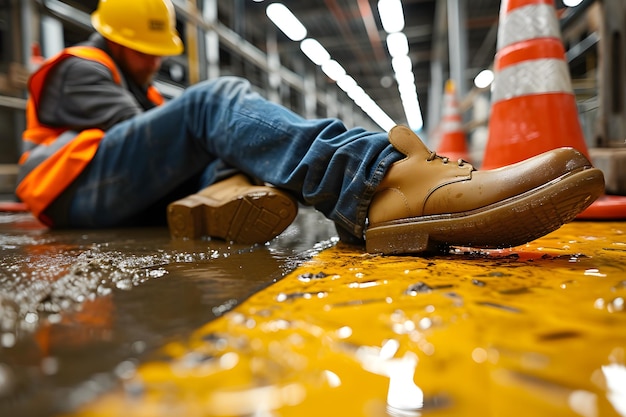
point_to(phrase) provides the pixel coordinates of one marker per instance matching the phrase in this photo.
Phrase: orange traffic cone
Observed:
(36, 58)
(533, 103)
(453, 142)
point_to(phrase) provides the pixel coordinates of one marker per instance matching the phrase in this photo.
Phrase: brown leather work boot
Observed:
(233, 210)
(426, 201)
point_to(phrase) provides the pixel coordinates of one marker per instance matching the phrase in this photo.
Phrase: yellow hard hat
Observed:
(147, 26)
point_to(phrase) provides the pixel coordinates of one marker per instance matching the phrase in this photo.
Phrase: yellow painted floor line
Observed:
(537, 330)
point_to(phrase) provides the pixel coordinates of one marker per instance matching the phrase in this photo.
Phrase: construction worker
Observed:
(103, 150)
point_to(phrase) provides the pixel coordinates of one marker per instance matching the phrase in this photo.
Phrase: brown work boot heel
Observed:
(233, 210)
(184, 218)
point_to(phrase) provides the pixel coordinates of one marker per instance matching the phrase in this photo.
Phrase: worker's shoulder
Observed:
(82, 69)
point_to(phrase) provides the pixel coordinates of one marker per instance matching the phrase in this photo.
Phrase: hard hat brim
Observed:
(171, 45)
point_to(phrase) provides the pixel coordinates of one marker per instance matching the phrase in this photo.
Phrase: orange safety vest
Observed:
(47, 180)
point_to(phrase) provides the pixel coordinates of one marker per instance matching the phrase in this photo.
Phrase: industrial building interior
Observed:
(131, 321)
(444, 40)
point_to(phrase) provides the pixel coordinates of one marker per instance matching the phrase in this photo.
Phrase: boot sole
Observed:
(252, 218)
(511, 222)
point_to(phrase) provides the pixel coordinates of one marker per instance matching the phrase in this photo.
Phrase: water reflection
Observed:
(615, 375)
(531, 329)
(404, 397)
(79, 310)
(259, 401)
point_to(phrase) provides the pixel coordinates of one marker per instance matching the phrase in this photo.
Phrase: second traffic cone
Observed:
(452, 141)
(36, 58)
(533, 104)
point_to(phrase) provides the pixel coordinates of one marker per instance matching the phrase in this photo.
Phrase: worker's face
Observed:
(139, 66)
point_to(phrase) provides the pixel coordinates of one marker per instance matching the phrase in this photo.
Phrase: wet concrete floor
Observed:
(78, 306)
(130, 323)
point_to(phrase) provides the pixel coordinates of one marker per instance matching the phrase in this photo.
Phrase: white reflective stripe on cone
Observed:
(451, 126)
(537, 76)
(450, 111)
(526, 23)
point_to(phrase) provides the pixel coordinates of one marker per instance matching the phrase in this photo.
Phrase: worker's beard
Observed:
(142, 78)
(134, 68)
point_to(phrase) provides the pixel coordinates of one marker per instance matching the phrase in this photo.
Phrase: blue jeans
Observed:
(220, 127)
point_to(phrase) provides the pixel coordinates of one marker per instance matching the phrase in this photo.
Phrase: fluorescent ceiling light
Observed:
(282, 17)
(405, 77)
(401, 64)
(391, 15)
(408, 95)
(346, 83)
(379, 116)
(315, 51)
(359, 96)
(397, 44)
(333, 69)
(413, 114)
(484, 79)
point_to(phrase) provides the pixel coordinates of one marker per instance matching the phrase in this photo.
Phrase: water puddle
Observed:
(160, 328)
(532, 330)
(80, 310)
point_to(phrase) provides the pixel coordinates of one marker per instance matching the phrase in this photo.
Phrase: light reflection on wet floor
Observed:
(74, 305)
(535, 330)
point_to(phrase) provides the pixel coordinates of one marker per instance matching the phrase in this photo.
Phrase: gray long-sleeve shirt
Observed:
(81, 94)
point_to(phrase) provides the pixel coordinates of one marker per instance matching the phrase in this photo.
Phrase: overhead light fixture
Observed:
(289, 24)
(407, 91)
(314, 51)
(333, 69)
(406, 77)
(397, 44)
(401, 64)
(413, 114)
(391, 15)
(484, 79)
(379, 116)
(392, 19)
(347, 83)
(286, 21)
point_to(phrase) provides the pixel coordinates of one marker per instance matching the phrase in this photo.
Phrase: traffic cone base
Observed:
(607, 207)
(13, 207)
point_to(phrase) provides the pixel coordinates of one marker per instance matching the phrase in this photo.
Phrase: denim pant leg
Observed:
(322, 163)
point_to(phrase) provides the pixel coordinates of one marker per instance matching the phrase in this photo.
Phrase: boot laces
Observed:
(433, 155)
